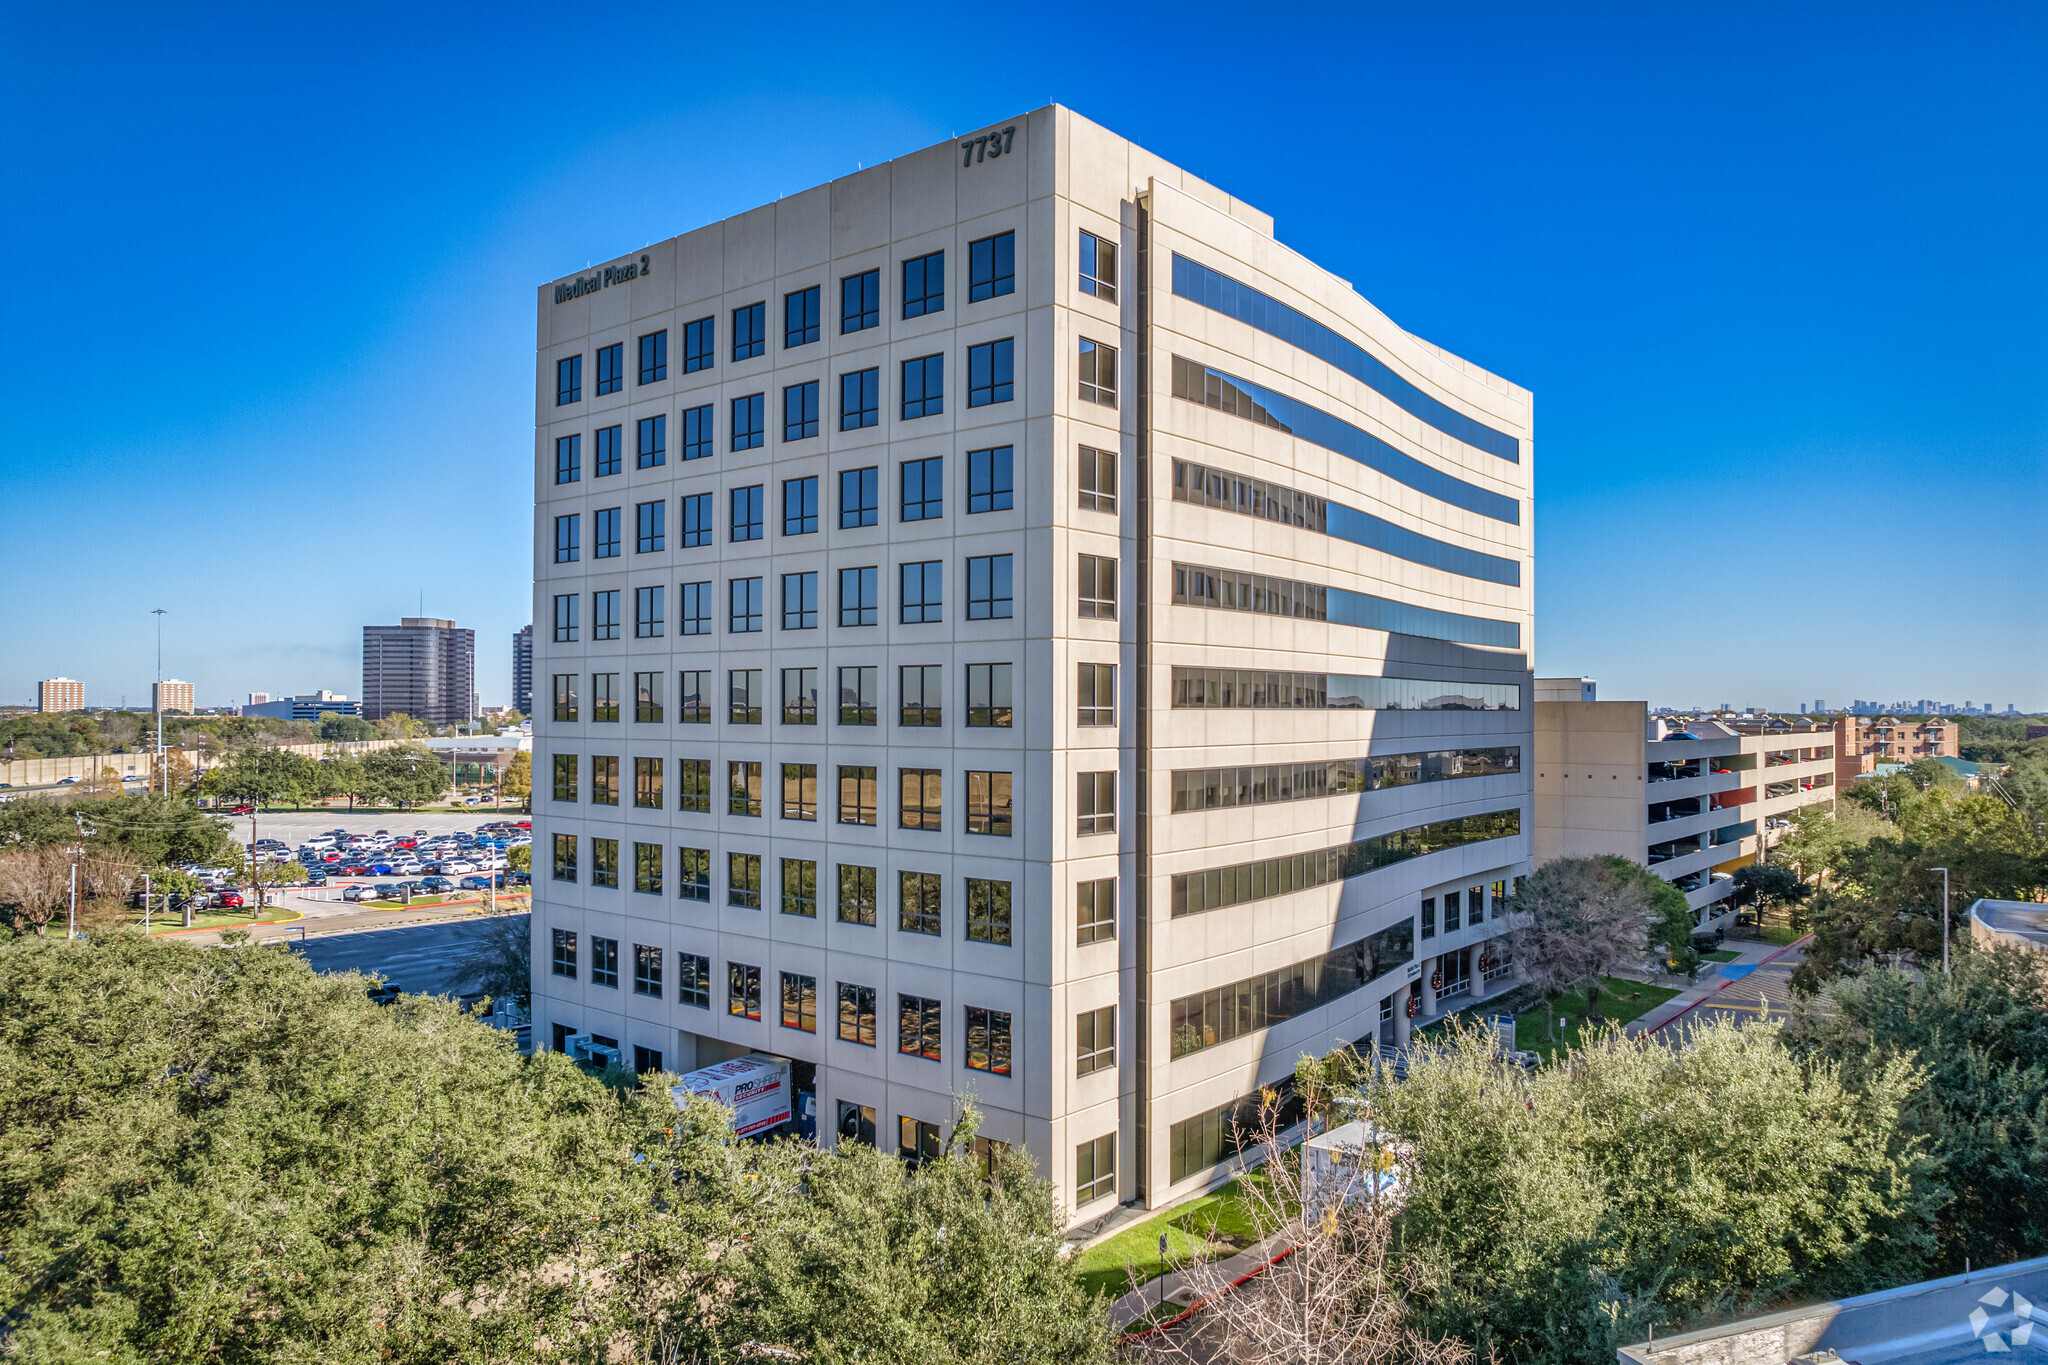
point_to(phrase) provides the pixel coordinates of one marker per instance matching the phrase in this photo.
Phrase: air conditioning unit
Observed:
(581, 1048)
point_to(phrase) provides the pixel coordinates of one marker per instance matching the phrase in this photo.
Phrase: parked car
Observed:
(316, 879)
(355, 869)
(229, 900)
(522, 879)
(232, 810)
(382, 868)
(475, 883)
(359, 893)
(385, 891)
(436, 884)
(457, 867)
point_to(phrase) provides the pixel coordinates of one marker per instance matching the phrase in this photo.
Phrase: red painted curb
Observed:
(1194, 1307)
(1724, 986)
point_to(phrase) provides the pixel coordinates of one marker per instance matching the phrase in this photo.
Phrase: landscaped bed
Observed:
(1621, 1001)
(1210, 1228)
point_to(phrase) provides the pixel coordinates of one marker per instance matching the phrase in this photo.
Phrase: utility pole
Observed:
(72, 932)
(145, 905)
(157, 698)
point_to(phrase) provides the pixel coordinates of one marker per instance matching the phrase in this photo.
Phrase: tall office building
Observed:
(1010, 625)
(423, 666)
(171, 695)
(60, 694)
(522, 671)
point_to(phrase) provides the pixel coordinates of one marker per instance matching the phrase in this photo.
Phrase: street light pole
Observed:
(1944, 917)
(158, 699)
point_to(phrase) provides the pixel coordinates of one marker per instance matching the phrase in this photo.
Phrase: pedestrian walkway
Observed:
(1173, 1290)
(1752, 955)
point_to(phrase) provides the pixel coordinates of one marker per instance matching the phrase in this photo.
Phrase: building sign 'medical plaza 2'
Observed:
(610, 275)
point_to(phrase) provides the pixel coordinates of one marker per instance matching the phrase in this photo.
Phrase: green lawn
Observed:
(1722, 955)
(166, 921)
(1620, 1001)
(1206, 1229)
(1781, 934)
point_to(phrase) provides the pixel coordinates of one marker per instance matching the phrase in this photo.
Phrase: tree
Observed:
(499, 962)
(399, 726)
(1671, 918)
(35, 884)
(407, 775)
(346, 777)
(517, 780)
(336, 728)
(266, 875)
(1571, 922)
(520, 859)
(1765, 885)
(1558, 1214)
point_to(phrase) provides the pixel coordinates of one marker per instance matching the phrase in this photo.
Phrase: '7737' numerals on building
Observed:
(987, 145)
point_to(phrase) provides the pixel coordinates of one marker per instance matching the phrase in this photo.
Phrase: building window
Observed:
(748, 520)
(1095, 1170)
(922, 687)
(653, 441)
(800, 317)
(988, 1040)
(695, 778)
(1095, 803)
(917, 1141)
(800, 411)
(857, 1014)
(743, 787)
(566, 605)
(924, 285)
(611, 368)
(988, 696)
(918, 901)
(565, 857)
(568, 538)
(988, 803)
(800, 601)
(647, 698)
(860, 301)
(800, 791)
(1096, 585)
(800, 887)
(860, 400)
(604, 962)
(697, 519)
(693, 690)
(648, 609)
(696, 609)
(695, 882)
(743, 880)
(917, 1027)
(604, 614)
(565, 693)
(697, 435)
(654, 357)
(991, 267)
(919, 807)
(564, 962)
(858, 703)
(800, 506)
(743, 691)
(608, 521)
(565, 777)
(857, 795)
(610, 443)
(1097, 479)
(1429, 916)
(1098, 372)
(699, 340)
(1475, 907)
(647, 783)
(1095, 1040)
(1452, 912)
(990, 484)
(1095, 694)
(991, 372)
(650, 523)
(742, 990)
(693, 973)
(988, 911)
(856, 895)
(604, 780)
(749, 330)
(604, 696)
(647, 871)
(988, 588)
(924, 489)
(924, 387)
(568, 380)
(744, 616)
(1095, 911)
(800, 1002)
(604, 865)
(799, 696)
(859, 497)
(748, 421)
(1098, 267)
(919, 601)
(859, 597)
(568, 459)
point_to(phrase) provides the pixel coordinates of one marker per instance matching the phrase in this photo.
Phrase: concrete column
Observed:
(1401, 1016)
(1428, 992)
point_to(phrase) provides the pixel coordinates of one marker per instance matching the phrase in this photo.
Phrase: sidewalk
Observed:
(1175, 1290)
(364, 921)
(1753, 954)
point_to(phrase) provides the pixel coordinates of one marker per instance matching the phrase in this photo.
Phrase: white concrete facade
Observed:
(1415, 486)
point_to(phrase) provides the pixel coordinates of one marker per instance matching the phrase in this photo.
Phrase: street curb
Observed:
(1762, 962)
(222, 928)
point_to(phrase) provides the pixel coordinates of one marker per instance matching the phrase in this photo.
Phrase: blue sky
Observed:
(1775, 274)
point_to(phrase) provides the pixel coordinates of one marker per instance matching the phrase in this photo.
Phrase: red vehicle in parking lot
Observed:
(355, 870)
(229, 900)
(241, 810)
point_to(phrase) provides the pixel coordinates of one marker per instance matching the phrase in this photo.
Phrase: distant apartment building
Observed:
(1863, 742)
(1691, 798)
(60, 694)
(172, 695)
(308, 706)
(423, 667)
(522, 671)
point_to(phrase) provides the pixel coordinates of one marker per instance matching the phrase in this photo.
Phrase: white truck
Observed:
(754, 1087)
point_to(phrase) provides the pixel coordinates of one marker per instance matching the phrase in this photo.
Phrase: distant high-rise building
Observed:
(1819, 707)
(522, 671)
(306, 706)
(423, 666)
(171, 695)
(60, 694)
(258, 698)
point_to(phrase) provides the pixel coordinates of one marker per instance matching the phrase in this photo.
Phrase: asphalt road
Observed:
(1764, 994)
(420, 960)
